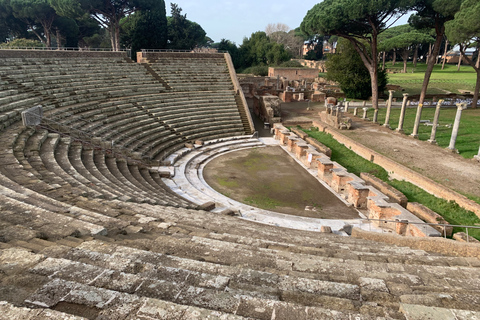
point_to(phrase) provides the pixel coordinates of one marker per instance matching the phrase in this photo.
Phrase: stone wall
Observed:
(293, 73)
(319, 65)
(61, 54)
(145, 57)
(387, 189)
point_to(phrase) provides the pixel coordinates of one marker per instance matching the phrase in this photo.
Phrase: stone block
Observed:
(430, 216)
(385, 188)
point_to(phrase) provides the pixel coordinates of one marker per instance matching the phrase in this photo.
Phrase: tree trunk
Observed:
(59, 38)
(431, 63)
(445, 54)
(477, 70)
(383, 60)
(394, 60)
(415, 56)
(405, 55)
(117, 37)
(429, 55)
(477, 88)
(460, 59)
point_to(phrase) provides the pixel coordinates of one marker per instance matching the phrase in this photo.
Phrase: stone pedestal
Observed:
(435, 123)
(355, 111)
(477, 157)
(375, 116)
(417, 121)
(402, 113)
(364, 113)
(389, 108)
(347, 105)
(456, 125)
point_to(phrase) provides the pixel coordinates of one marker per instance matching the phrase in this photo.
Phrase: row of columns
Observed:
(456, 125)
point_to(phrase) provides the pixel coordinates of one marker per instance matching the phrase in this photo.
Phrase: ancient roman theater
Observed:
(141, 190)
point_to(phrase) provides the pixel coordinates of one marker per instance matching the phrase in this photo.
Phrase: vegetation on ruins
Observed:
(292, 39)
(146, 29)
(354, 163)
(465, 31)
(346, 68)
(403, 39)
(259, 52)
(183, 34)
(442, 81)
(360, 22)
(433, 14)
(131, 24)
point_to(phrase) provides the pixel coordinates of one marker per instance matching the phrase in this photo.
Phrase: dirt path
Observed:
(440, 165)
(269, 178)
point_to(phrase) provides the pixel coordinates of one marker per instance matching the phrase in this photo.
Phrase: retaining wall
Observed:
(401, 172)
(440, 245)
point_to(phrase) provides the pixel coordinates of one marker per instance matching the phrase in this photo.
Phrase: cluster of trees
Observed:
(366, 25)
(275, 46)
(99, 23)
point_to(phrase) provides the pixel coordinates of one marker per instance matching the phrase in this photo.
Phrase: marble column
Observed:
(417, 121)
(456, 125)
(389, 108)
(402, 113)
(355, 111)
(435, 123)
(347, 104)
(365, 113)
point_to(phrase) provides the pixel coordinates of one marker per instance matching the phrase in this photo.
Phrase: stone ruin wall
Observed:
(267, 108)
(401, 172)
(365, 197)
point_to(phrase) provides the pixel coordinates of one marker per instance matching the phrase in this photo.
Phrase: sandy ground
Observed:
(270, 179)
(440, 165)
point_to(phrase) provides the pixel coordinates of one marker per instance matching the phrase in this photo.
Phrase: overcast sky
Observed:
(234, 20)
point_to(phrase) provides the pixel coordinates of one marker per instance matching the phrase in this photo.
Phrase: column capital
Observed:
(391, 91)
(441, 101)
(461, 106)
(405, 94)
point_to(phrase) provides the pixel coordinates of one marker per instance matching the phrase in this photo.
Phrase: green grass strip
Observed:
(354, 163)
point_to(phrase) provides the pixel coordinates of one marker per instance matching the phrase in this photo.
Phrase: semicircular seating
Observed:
(89, 229)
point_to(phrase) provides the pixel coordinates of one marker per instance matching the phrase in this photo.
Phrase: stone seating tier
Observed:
(237, 269)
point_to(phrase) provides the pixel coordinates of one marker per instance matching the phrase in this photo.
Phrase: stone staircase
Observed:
(232, 268)
(243, 115)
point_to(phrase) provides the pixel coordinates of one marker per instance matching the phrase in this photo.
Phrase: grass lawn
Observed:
(468, 139)
(354, 163)
(441, 81)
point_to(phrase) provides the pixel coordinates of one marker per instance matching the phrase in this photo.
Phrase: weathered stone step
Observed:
(108, 304)
(11, 312)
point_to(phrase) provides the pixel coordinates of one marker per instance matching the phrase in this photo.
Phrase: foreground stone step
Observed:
(419, 312)
(9, 311)
(108, 304)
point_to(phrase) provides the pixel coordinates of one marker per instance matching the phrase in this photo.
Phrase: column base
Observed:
(432, 141)
(451, 150)
(476, 158)
(399, 130)
(414, 136)
(386, 125)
